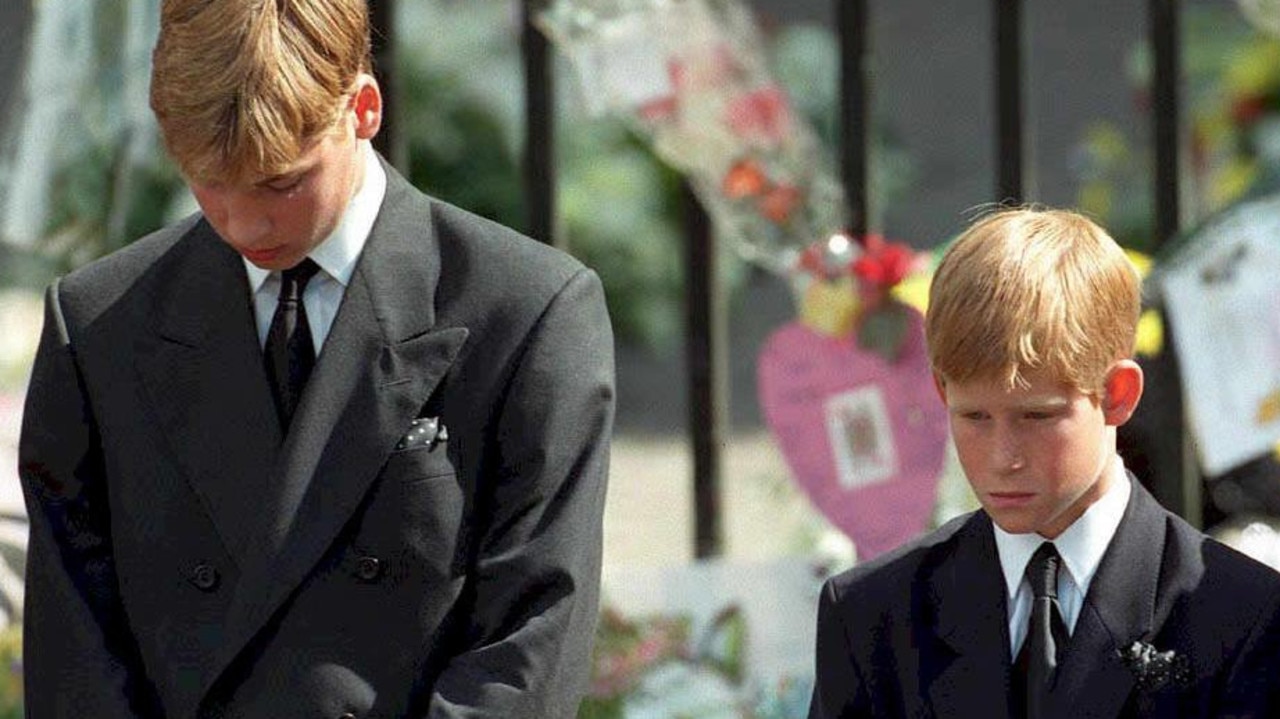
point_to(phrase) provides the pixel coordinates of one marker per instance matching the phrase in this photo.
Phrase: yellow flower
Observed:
(1256, 70)
(1231, 182)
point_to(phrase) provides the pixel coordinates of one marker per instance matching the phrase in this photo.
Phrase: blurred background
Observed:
(82, 174)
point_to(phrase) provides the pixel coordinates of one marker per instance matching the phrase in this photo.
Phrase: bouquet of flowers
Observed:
(689, 77)
(653, 667)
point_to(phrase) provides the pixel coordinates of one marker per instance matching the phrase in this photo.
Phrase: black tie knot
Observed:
(290, 352)
(1042, 571)
(294, 280)
(1047, 635)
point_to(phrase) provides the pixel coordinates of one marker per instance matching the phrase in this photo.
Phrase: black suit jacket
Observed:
(186, 560)
(923, 632)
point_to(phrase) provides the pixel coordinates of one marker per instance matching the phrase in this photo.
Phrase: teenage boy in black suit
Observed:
(330, 447)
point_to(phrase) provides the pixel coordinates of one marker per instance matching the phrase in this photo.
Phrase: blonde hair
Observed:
(1033, 290)
(240, 87)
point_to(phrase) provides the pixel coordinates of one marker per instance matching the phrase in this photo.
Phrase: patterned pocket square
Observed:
(1154, 669)
(424, 432)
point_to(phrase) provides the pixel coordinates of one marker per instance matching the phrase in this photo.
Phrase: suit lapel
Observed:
(1121, 607)
(378, 366)
(204, 379)
(968, 591)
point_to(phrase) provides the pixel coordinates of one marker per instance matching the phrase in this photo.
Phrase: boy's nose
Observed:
(1007, 455)
(246, 229)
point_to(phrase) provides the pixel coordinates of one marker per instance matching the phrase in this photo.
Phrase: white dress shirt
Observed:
(1081, 546)
(336, 255)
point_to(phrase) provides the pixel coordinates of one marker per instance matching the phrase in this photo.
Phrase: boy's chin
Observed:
(1012, 526)
(1032, 521)
(1015, 521)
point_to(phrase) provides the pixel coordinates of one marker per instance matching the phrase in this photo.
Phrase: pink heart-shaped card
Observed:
(864, 438)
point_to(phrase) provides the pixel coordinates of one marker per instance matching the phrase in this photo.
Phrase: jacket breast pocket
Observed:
(416, 517)
(418, 463)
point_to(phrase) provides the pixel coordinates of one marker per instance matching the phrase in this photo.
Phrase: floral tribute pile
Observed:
(658, 667)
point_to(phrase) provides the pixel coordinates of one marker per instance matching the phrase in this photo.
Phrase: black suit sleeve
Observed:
(838, 691)
(79, 656)
(537, 572)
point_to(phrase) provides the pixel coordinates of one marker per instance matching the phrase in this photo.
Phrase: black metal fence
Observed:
(1166, 469)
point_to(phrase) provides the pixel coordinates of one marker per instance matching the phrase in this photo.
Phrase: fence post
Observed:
(16, 21)
(390, 140)
(539, 145)
(706, 339)
(1175, 479)
(855, 112)
(1010, 140)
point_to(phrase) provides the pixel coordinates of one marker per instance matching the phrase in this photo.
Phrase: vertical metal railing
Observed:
(390, 141)
(1175, 480)
(539, 112)
(706, 354)
(1177, 487)
(1163, 19)
(1010, 135)
(855, 111)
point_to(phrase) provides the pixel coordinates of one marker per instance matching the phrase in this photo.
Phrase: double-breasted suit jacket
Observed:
(188, 559)
(923, 632)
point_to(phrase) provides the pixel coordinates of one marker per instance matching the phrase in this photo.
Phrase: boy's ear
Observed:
(1121, 391)
(367, 106)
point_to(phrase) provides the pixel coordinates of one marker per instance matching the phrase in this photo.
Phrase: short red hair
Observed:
(241, 87)
(1033, 289)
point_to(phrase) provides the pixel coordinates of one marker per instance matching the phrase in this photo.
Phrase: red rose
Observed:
(744, 179)
(779, 202)
(761, 115)
(882, 264)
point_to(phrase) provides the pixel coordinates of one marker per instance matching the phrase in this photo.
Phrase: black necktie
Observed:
(1047, 635)
(290, 354)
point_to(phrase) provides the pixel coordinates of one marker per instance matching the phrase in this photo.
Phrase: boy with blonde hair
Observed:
(1071, 593)
(328, 447)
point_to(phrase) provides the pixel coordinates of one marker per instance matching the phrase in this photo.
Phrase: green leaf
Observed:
(884, 330)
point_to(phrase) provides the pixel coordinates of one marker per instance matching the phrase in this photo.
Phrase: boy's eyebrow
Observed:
(303, 166)
(1041, 404)
(1046, 401)
(1024, 405)
(282, 177)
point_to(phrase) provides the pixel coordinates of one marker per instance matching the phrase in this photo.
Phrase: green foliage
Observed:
(102, 202)
(617, 206)
(458, 149)
(25, 269)
(1231, 94)
(620, 214)
(11, 673)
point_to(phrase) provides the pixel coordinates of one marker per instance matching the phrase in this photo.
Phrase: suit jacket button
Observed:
(205, 577)
(368, 569)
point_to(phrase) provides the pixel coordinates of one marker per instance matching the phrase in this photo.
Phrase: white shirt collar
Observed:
(338, 253)
(1081, 545)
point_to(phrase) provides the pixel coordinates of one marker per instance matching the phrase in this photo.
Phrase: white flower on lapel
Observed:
(1153, 668)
